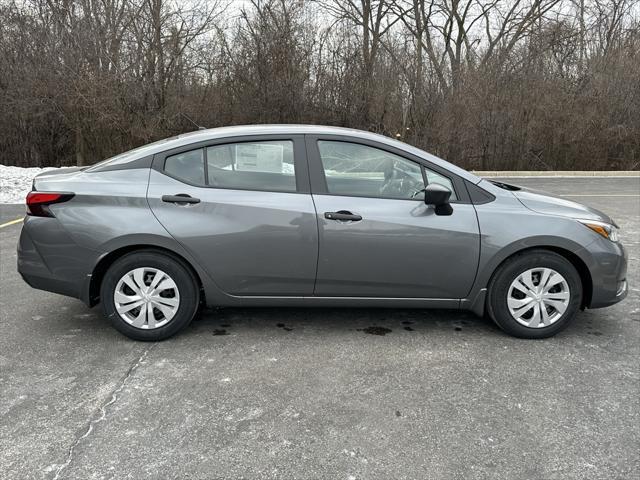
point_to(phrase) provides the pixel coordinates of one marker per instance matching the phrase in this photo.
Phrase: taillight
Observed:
(38, 202)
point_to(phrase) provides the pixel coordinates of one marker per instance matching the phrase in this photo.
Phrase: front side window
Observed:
(360, 170)
(352, 169)
(267, 165)
(435, 177)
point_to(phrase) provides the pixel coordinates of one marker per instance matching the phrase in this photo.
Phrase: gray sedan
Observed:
(296, 215)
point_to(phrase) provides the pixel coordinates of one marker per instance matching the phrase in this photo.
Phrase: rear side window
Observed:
(187, 166)
(265, 165)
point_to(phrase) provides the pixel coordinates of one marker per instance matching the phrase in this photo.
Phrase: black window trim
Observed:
(299, 160)
(318, 179)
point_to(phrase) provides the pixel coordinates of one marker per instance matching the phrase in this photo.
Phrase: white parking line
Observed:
(12, 222)
(604, 195)
(587, 177)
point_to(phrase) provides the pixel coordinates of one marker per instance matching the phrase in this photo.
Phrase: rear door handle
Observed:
(180, 198)
(342, 215)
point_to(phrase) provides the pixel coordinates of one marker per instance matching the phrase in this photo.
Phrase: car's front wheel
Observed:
(534, 294)
(149, 295)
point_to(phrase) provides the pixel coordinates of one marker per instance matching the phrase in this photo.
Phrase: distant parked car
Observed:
(310, 216)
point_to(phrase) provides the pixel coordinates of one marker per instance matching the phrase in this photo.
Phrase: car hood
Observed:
(543, 202)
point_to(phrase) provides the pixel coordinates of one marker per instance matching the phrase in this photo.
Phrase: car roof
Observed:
(246, 130)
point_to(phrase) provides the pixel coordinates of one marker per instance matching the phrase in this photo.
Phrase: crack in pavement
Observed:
(103, 413)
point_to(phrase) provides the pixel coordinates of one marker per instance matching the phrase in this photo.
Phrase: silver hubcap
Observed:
(146, 298)
(538, 297)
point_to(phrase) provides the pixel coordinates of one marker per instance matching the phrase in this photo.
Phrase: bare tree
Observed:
(485, 83)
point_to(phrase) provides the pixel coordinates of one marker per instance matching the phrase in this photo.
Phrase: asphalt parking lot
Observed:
(312, 393)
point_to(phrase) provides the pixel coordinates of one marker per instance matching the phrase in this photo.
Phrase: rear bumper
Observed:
(50, 284)
(49, 260)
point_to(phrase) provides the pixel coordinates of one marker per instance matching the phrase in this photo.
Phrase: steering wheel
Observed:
(400, 184)
(417, 191)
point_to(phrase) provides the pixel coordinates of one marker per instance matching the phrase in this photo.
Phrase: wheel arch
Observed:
(476, 301)
(101, 267)
(577, 262)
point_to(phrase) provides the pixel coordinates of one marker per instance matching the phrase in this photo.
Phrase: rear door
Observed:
(242, 208)
(377, 237)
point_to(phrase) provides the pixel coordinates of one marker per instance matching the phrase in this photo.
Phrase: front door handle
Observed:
(342, 215)
(180, 198)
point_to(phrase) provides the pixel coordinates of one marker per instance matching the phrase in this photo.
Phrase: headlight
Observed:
(608, 231)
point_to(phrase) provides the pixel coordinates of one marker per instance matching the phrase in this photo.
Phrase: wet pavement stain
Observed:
(220, 331)
(375, 330)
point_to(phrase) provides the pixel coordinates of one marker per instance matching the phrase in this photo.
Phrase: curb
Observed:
(557, 173)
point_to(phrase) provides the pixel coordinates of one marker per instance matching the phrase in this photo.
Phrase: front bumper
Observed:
(608, 271)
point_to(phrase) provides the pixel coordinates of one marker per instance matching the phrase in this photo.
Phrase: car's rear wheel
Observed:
(149, 295)
(534, 294)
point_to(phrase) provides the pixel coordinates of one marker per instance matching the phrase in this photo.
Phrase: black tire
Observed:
(511, 268)
(182, 276)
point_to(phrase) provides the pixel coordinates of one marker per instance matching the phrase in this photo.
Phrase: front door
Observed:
(377, 237)
(251, 221)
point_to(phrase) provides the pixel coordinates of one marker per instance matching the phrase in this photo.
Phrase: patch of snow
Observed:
(15, 182)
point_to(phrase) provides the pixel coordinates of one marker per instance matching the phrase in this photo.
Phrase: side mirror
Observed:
(438, 196)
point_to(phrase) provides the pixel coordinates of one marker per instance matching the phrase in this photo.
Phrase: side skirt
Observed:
(269, 301)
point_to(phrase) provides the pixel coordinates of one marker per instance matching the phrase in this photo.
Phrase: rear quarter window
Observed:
(187, 166)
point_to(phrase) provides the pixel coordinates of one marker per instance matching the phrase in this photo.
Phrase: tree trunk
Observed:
(81, 148)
